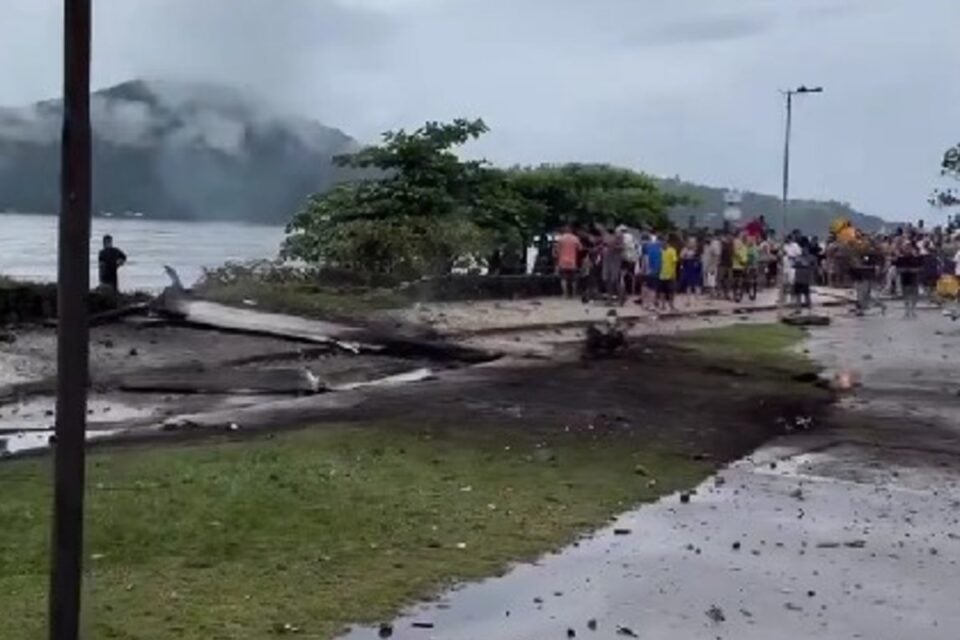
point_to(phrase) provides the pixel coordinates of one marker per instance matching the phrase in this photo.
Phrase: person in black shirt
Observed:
(110, 259)
(864, 269)
(909, 265)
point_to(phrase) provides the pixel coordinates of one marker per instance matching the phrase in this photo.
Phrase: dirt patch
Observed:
(653, 394)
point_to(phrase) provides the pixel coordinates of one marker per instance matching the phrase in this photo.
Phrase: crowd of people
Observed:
(616, 263)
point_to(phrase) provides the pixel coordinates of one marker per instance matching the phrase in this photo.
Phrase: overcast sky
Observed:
(673, 87)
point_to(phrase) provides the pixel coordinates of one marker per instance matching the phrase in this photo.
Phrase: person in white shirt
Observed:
(791, 251)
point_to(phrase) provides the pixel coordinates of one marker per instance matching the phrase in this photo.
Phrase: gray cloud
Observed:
(684, 87)
(711, 28)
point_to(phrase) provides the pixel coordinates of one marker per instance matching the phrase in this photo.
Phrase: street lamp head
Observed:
(806, 89)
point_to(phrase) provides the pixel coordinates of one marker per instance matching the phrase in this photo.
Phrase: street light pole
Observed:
(73, 285)
(786, 147)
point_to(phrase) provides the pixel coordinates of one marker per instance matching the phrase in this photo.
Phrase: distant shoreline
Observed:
(148, 218)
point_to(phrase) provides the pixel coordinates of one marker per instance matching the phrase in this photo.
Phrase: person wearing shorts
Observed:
(804, 274)
(652, 261)
(568, 249)
(668, 274)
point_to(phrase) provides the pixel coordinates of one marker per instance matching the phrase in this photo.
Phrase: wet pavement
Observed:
(813, 536)
(907, 368)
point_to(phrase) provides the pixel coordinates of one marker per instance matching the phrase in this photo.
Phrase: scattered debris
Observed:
(592, 624)
(386, 630)
(622, 532)
(422, 625)
(627, 632)
(716, 614)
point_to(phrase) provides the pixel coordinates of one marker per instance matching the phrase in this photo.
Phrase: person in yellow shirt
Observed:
(668, 272)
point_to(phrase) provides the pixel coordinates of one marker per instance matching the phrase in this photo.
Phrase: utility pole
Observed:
(786, 162)
(73, 285)
(802, 90)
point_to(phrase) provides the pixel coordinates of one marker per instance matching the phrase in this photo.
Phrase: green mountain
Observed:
(812, 217)
(174, 150)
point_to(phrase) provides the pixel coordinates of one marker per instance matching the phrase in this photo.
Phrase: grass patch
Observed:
(315, 529)
(766, 345)
(304, 299)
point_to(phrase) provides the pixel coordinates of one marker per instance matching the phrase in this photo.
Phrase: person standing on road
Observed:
(804, 274)
(909, 265)
(865, 264)
(612, 263)
(110, 260)
(652, 262)
(725, 275)
(567, 250)
(791, 251)
(691, 270)
(711, 264)
(631, 255)
(668, 272)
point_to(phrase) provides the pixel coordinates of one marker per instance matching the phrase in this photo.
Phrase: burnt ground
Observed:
(655, 394)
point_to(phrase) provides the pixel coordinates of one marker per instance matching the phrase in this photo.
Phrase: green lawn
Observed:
(305, 299)
(315, 529)
(326, 527)
(767, 345)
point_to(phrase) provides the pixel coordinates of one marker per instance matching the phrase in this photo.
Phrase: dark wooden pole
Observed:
(73, 279)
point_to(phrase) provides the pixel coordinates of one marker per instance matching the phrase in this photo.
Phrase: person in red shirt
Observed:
(567, 250)
(756, 228)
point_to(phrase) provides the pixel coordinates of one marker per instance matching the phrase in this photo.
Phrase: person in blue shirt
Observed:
(652, 254)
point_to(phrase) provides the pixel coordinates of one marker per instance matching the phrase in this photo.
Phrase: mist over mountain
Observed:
(174, 150)
(812, 217)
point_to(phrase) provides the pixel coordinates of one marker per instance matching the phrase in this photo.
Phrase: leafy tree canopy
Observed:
(426, 208)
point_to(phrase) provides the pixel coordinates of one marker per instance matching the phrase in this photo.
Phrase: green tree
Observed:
(414, 218)
(425, 208)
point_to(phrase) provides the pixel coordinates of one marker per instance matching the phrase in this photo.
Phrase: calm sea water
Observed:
(28, 247)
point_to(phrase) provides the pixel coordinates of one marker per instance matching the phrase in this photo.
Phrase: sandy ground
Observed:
(852, 532)
(500, 316)
(123, 347)
(131, 355)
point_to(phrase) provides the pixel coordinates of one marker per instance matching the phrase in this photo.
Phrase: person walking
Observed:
(865, 264)
(909, 265)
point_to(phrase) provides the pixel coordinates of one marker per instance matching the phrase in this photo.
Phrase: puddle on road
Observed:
(907, 367)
